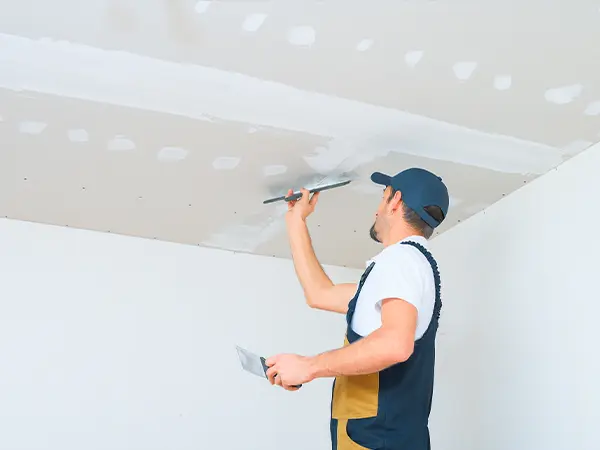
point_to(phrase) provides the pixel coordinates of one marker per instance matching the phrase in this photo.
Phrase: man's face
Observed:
(379, 227)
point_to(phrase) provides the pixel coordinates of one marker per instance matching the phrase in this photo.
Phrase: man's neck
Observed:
(398, 234)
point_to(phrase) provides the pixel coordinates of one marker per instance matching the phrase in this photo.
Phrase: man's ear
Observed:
(396, 201)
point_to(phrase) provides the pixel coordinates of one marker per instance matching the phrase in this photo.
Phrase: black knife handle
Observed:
(265, 368)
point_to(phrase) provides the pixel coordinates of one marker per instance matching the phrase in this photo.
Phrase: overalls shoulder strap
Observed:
(361, 283)
(436, 277)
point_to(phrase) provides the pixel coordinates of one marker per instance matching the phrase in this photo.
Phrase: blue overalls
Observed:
(387, 410)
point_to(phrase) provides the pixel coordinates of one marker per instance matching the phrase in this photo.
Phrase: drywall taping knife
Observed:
(297, 195)
(254, 364)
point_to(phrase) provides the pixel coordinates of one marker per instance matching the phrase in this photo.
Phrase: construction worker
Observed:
(384, 373)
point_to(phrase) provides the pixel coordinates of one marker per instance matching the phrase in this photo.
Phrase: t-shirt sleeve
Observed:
(397, 275)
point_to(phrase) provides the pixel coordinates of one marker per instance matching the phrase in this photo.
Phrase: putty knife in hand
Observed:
(254, 364)
(297, 195)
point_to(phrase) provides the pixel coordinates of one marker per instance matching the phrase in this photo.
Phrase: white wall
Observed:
(519, 358)
(110, 342)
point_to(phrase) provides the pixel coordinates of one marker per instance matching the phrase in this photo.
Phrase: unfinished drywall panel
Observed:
(517, 364)
(111, 342)
(174, 119)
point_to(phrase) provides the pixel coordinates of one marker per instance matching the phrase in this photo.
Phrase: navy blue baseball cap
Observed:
(420, 188)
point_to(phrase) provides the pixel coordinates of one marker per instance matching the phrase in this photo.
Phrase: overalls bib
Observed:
(387, 410)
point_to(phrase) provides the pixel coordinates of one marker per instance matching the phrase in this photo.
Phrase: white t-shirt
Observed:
(401, 271)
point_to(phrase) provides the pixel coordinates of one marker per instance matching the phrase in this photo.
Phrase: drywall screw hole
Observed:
(24, 179)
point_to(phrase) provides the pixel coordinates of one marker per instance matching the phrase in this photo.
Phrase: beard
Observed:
(373, 234)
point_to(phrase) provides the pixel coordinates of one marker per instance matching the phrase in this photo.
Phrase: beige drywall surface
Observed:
(517, 365)
(174, 120)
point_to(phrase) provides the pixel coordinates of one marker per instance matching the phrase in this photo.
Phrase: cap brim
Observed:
(381, 178)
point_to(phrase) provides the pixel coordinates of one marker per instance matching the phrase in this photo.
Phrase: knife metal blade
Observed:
(252, 363)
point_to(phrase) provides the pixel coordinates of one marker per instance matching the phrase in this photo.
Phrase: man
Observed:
(384, 373)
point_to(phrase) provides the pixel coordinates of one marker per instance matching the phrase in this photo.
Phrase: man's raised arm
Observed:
(320, 292)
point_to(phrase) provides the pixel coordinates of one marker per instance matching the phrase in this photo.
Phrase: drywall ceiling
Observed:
(174, 119)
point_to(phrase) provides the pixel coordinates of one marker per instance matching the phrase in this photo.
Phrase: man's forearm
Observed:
(308, 269)
(371, 354)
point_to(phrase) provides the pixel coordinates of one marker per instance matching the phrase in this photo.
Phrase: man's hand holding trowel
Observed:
(288, 370)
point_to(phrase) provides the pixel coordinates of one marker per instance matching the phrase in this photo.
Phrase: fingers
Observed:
(271, 374)
(305, 195)
(306, 201)
(270, 361)
(290, 203)
(274, 378)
